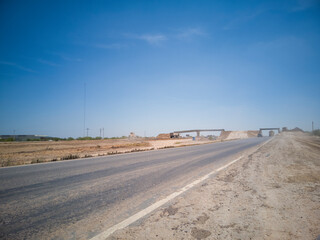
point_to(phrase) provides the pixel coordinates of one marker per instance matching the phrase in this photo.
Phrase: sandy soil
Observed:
(232, 135)
(272, 193)
(19, 153)
(238, 135)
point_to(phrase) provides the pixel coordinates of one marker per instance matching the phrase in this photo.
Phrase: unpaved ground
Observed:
(273, 193)
(238, 135)
(232, 135)
(19, 153)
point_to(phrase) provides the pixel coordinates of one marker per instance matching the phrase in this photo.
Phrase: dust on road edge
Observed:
(105, 234)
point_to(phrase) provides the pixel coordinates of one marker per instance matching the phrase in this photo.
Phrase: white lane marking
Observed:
(146, 211)
(154, 206)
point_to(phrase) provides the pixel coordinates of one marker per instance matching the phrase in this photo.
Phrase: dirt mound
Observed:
(224, 135)
(237, 135)
(230, 135)
(253, 133)
(296, 129)
(163, 136)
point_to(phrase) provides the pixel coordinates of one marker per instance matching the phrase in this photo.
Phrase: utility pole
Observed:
(100, 131)
(84, 112)
(312, 127)
(87, 132)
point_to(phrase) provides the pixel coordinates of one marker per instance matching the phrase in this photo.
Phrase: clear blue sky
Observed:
(158, 66)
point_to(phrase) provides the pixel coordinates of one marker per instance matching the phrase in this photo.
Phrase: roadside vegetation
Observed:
(12, 139)
(7, 140)
(316, 132)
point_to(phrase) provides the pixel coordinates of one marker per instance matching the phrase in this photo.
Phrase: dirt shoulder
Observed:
(20, 153)
(273, 193)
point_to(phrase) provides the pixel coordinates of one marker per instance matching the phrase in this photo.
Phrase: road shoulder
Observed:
(273, 193)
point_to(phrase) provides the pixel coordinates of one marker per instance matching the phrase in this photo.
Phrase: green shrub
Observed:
(316, 132)
(85, 138)
(7, 140)
(36, 161)
(70, 156)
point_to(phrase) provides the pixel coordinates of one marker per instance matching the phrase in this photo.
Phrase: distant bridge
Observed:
(262, 129)
(198, 131)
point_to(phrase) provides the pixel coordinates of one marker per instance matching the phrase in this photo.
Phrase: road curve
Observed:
(80, 198)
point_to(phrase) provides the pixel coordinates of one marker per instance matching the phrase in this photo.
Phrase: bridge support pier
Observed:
(197, 131)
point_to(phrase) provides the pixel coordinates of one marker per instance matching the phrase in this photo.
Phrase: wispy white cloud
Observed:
(191, 32)
(110, 46)
(17, 66)
(280, 43)
(65, 56)
(152, 39)
(244, 18)
(285, 46)
(47, 62)
(302, 5)
(290, 6)
(155, 39)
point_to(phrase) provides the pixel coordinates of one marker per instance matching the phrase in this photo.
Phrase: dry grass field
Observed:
(19, 153)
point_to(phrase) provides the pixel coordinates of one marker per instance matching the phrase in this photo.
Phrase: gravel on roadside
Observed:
(272, 193)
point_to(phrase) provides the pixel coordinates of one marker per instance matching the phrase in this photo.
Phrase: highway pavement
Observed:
(78, 199)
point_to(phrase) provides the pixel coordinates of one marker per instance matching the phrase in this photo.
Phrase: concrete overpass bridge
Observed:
(262, 129)
(268, 129)
(197, 131)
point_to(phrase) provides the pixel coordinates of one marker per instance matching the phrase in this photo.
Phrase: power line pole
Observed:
(100, 131)
(87, 132)
(84, 112)
(312, 126)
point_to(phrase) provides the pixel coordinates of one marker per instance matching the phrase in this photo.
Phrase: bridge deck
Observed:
(261, 129)
(199, 130)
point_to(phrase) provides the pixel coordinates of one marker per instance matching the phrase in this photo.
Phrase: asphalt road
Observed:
(77, 199)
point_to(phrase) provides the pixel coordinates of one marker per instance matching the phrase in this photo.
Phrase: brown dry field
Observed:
(20, 153)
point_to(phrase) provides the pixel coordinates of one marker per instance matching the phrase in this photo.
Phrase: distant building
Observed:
(132, 135)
